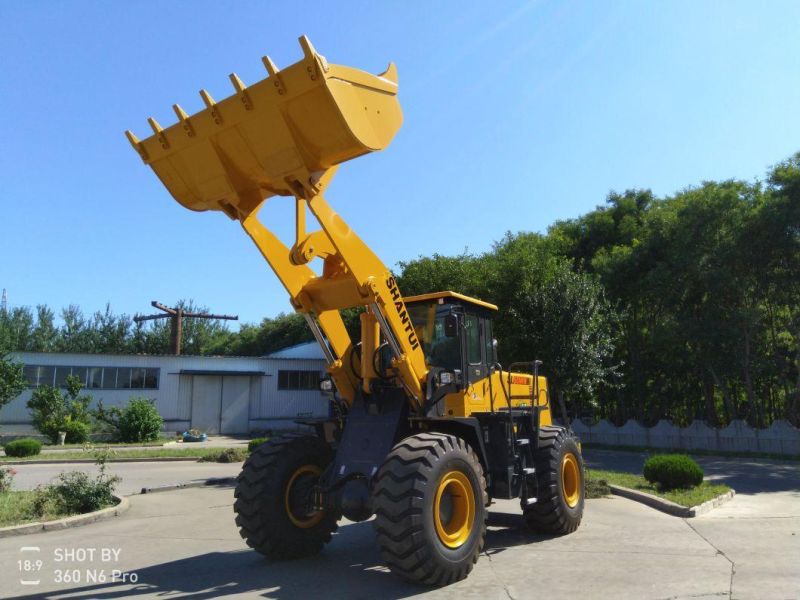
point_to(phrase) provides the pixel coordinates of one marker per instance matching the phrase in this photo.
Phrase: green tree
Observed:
(12, 380)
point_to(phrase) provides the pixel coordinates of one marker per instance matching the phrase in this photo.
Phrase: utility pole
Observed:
(176, 316)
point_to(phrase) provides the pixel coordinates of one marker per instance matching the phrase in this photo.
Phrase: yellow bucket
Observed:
(279, 136)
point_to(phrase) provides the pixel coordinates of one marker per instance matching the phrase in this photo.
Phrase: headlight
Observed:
(446, 378)
(326, 385)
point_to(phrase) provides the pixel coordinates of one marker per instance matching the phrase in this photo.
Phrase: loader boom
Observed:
(286, 135)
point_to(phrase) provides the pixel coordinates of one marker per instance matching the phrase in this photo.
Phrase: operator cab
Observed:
(455, 332)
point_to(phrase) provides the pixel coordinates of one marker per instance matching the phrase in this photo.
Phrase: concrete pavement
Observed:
(134, 476)
(758, 531)
(184, 544)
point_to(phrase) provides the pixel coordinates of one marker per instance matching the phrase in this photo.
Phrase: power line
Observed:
(176, 316)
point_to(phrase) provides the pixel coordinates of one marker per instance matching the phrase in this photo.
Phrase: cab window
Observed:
(440, 350)
(472, 323)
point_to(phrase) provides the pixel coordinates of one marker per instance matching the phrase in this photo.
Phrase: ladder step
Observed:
(523, 442)
(529, 470)
(530, 501)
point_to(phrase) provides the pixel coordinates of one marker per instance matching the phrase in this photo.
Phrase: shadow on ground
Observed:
(349, 568)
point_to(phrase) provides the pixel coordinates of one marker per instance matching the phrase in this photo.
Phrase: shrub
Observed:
(6, 479)
(52, 411)
(227, 455)
(671, 471)
(139, 421)
(23, 447)
(76, 492)
(77, 431)
(255, 443)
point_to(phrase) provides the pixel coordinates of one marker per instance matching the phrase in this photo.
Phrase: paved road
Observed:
(184, 544)
(135, 476)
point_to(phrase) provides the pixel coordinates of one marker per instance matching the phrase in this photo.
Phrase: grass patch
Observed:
(688, 497)
(159, 442)
(17, 508)
(161, 452)
(597, 488)
(226, 455)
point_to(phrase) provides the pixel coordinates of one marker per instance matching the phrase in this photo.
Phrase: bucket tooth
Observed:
(154, 125)
(308, 48)
(212, 106)
(159, 131)
(241, 89)
(270, 66)
(184, 119)
(274, 74)
(238, 84)
(137, 145)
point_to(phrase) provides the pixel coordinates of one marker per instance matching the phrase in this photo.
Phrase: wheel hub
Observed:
(454, 509)
(570, 480)
(298, 494)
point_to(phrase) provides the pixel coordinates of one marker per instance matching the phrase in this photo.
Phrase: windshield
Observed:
(440, 350)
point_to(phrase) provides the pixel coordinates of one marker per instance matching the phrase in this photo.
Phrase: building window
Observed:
(95, 381)
(298, 380)
(151, 378)
(94, 378)
(110, 378)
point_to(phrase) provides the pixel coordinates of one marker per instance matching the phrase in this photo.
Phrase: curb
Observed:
(669, 507)
(64, 461)
(67, 522)
(193, 484)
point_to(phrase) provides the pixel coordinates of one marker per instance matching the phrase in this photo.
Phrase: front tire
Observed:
(430, 506)
(272, 498)
(560, 482)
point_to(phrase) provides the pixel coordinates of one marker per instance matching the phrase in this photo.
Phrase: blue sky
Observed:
(516, 115)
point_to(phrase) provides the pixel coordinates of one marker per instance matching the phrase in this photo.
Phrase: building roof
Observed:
(305, 351)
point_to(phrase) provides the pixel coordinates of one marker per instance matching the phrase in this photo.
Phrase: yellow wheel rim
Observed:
(570, 480)
(454, 509)
(303, 521)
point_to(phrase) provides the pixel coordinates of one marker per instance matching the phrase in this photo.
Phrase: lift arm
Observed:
(285, 136)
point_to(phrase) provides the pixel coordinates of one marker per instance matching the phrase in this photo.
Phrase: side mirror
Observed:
(450, 326)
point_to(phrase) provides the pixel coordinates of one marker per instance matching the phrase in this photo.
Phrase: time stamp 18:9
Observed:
(80, 565)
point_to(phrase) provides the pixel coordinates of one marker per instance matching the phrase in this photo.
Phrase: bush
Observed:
(227, 455)
(139, 421)
(255, 443)
(24, 447)
(77, 432)
(76, 493)
(53, 411)
(671, 471)
(6, 479)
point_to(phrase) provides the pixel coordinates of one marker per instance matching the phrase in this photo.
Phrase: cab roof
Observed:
(443, 296)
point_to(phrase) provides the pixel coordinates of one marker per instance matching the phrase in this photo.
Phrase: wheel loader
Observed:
(428, 428)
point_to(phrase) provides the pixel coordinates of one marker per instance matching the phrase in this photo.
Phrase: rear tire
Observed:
(271, 492)
(430, 506)
(560, 478)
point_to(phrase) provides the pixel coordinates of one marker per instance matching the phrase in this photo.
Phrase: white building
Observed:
(215, 394)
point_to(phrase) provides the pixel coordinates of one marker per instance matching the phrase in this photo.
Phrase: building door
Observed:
(235, 405)
(206, 403)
